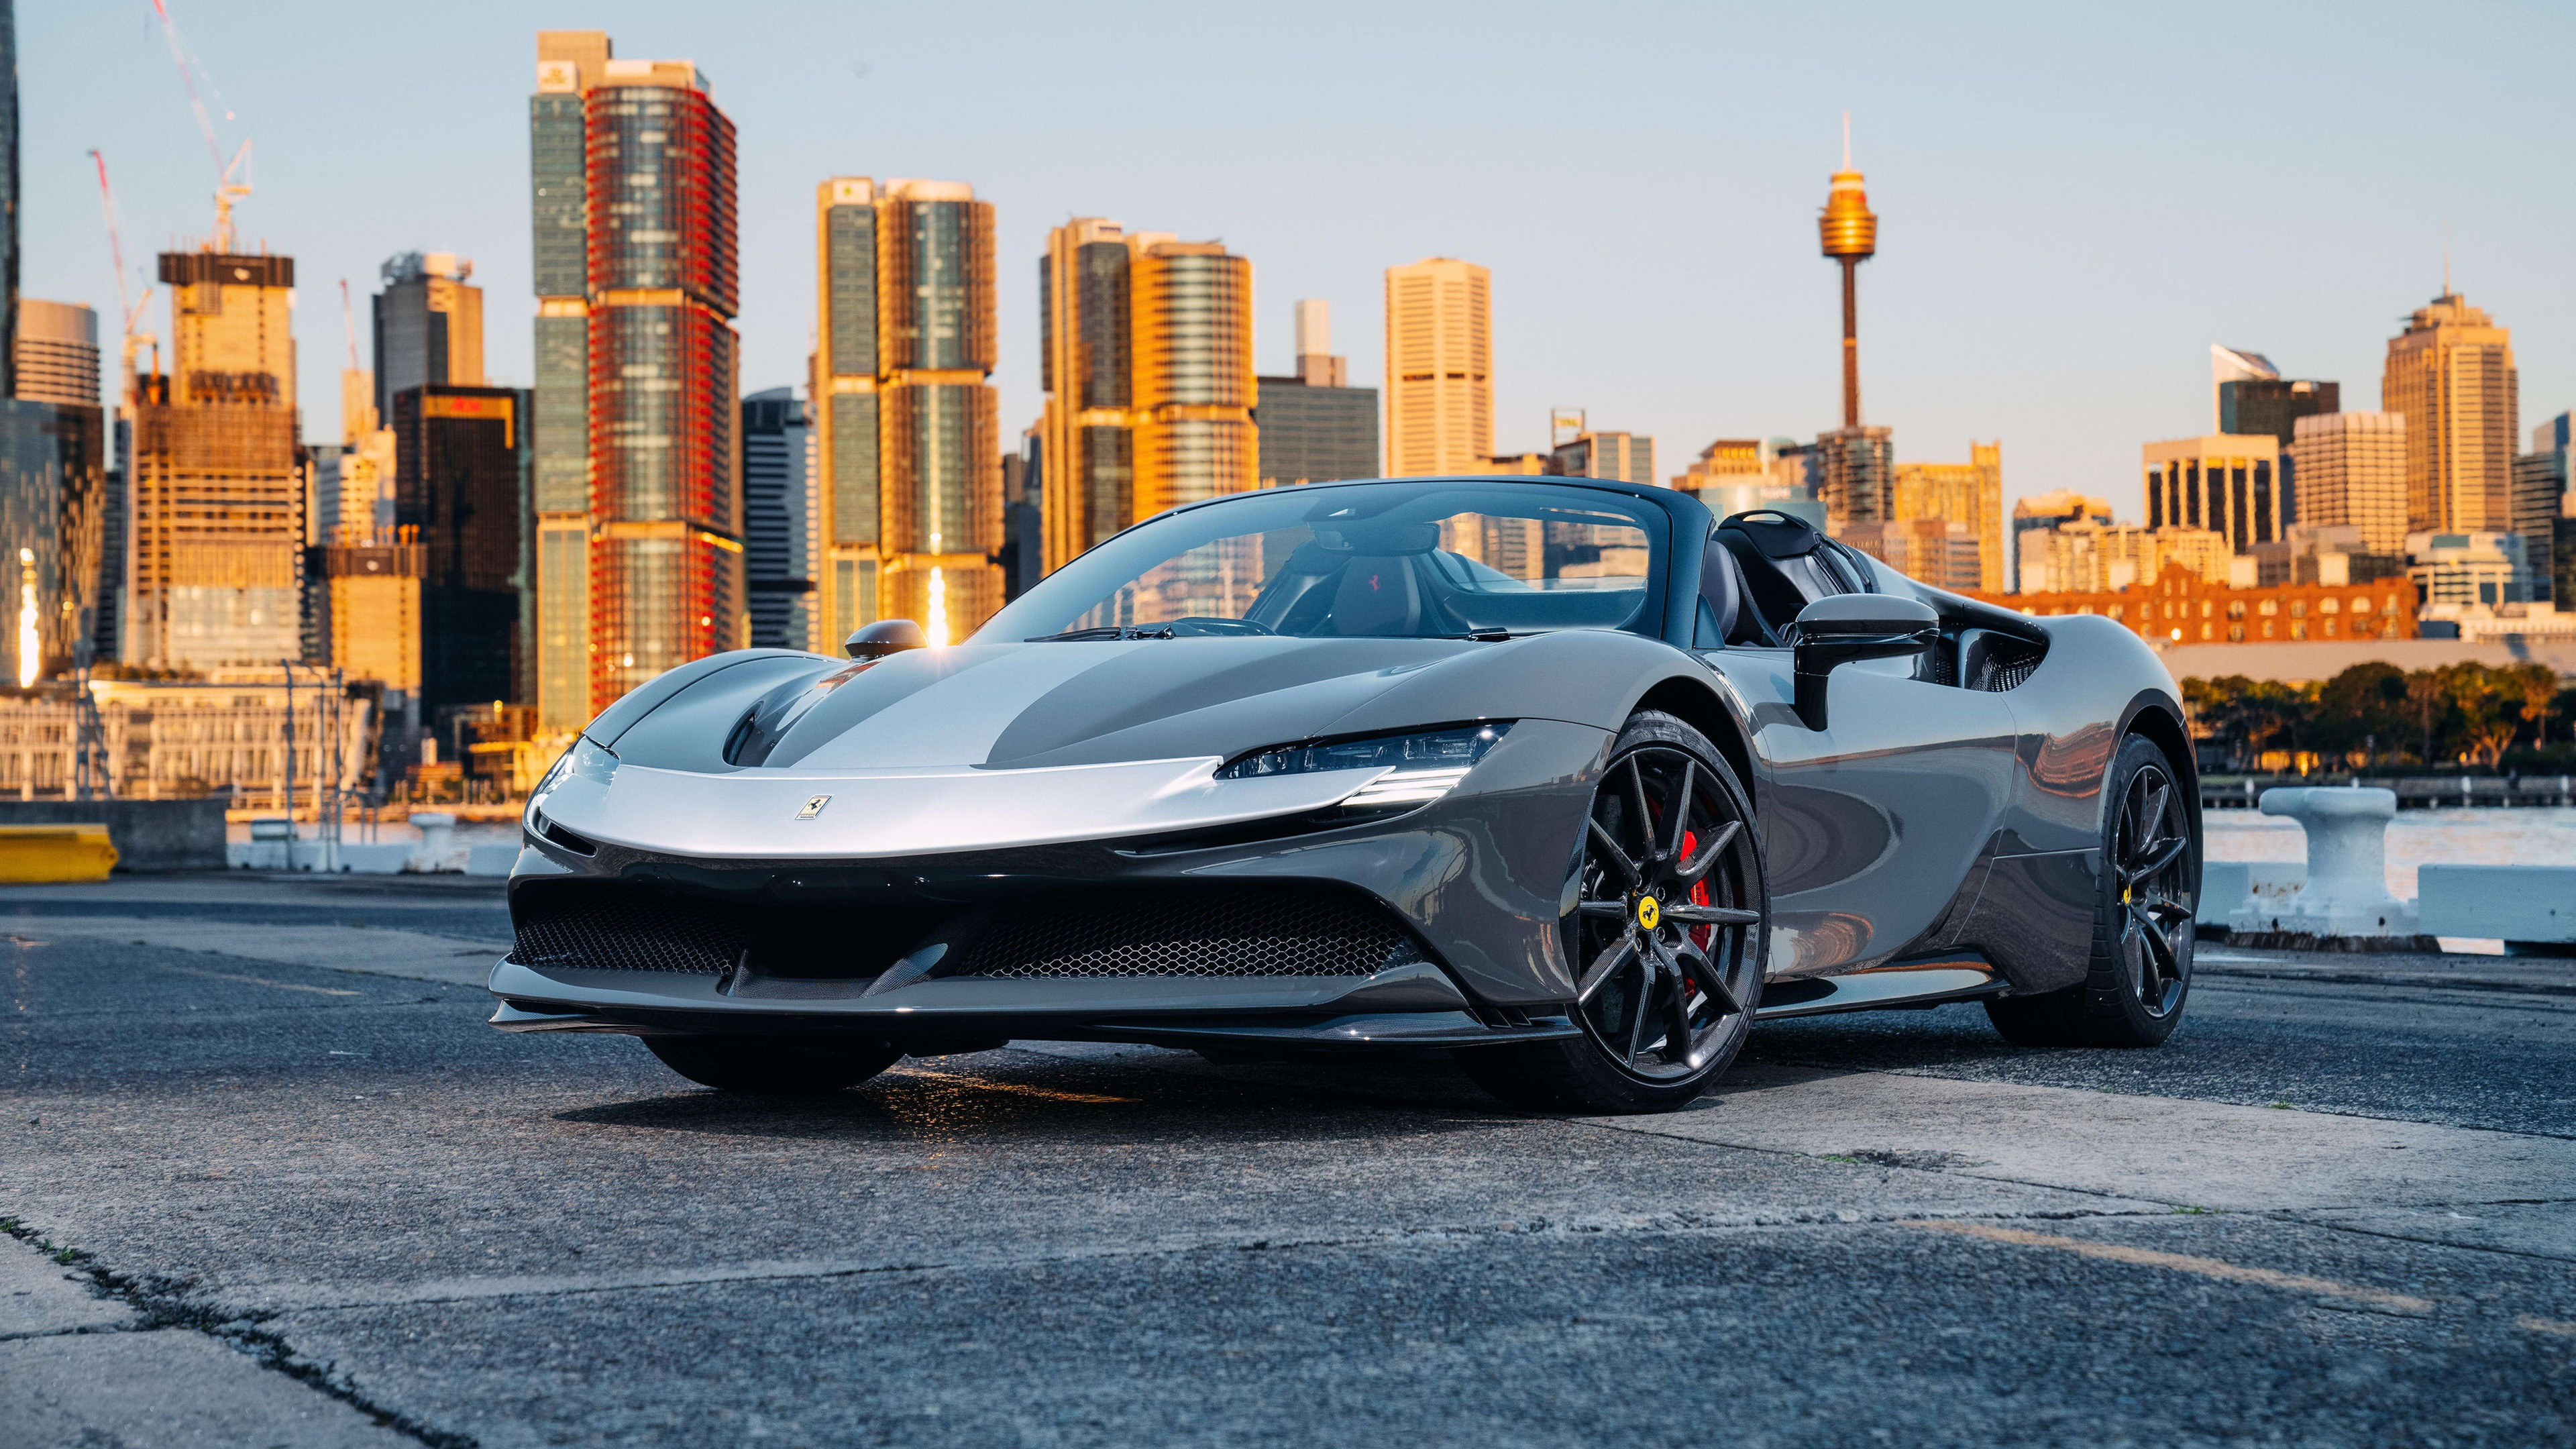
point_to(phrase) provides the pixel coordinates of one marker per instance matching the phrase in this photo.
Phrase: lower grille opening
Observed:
(632, 928)
(1264, 930)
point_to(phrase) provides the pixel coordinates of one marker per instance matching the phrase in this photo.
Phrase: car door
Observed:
(1875, 828)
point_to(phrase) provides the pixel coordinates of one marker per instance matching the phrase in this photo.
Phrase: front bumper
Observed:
(1476, 879)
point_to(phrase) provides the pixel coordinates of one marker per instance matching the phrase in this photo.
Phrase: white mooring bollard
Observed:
(2344, 905)
(437, 841)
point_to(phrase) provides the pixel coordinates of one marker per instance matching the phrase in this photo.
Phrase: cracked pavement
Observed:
(268, 1179)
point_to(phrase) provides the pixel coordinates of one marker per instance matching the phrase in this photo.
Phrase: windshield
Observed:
(1428, 560)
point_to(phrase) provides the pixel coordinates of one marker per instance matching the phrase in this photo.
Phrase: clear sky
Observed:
(2075, 201)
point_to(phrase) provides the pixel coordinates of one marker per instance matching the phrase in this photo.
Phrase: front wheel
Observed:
(775, 1066)
(1666, 940)
(2142, 925)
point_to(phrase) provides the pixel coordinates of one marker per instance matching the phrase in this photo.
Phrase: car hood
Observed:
(1024, 706)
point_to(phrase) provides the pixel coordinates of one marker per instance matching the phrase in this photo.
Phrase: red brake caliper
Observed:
(1699, 893)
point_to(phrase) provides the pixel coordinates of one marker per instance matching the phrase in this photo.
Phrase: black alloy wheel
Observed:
(1666, 938)
(2140, 976)
(2149, 849)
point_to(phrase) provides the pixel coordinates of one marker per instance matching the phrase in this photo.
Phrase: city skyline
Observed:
(1700, 313)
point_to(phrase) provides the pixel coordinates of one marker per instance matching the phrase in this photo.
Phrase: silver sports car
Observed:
(1569, 779)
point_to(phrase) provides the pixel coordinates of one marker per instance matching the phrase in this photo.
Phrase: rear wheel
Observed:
(2142, 927)
(1666, 939)
(775, 1066)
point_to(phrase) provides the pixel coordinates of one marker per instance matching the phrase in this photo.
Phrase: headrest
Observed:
(1777, 534)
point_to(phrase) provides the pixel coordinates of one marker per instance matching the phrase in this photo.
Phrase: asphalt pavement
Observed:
(267, 1178)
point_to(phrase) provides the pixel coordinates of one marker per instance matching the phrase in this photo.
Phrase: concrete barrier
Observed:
(2344, 905)
(2228, 884)
(491, 859)
(2532, 907)
(149, 835)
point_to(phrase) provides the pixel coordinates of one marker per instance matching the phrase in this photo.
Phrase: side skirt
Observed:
(1922, 981)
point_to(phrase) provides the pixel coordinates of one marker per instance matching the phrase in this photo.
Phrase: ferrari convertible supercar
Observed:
(1569, 779)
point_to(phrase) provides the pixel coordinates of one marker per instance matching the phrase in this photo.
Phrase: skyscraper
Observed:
(461, 485)
(8, 197)
(429, 325)
(215, 508)
(57, 353)
(2541, 501)
(780, 521)
(1855, 470)
(2228, 484)
(2451, 374)
(1147, 364)
(2046, 513)
(2352, 471)
(569, 62)
(1627, 457)
(2274, 405)
(634, 177)
(1315, 428)
(1439, 368)
(907, 426)
(1969, 494)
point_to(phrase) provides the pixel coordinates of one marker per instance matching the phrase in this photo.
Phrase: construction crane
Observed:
(132, 307)
(191, 70)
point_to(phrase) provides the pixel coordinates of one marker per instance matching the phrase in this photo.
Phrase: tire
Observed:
(2133, 992)
(1669, 932)
(775, 1066)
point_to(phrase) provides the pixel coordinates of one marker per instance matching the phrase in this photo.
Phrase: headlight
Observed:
(1420, 768)
(584, 761)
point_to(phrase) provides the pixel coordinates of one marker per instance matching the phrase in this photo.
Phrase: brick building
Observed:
(2181, 607)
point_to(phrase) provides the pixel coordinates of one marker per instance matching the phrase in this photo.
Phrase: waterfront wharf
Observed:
(2414, 792)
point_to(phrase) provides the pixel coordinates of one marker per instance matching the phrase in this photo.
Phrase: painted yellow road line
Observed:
(1014, 1088)
(2224, 1272)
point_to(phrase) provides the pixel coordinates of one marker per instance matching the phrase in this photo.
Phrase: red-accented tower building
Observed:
(666, 560)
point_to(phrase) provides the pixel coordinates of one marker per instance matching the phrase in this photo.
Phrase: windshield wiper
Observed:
(1104, 633)
(1481, 636)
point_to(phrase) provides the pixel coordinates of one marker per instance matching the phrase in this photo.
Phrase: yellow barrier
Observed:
(45, 854)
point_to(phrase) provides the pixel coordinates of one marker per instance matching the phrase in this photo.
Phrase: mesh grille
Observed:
(632, 931)
(1272, 931)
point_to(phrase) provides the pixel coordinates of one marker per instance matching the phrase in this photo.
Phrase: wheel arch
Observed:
(1698, 706)
(2156, 718)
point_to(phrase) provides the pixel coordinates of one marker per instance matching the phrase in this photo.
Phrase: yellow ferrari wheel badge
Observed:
(1649, 911)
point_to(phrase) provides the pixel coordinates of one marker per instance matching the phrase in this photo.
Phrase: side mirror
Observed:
(1843, 627)
(884, 637)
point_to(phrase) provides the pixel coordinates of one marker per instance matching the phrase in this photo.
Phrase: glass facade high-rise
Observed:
(638, 548)
(666, 583)
(2541, 504)
(780, 521)
(56, 353)
(1855, 471)
(1146, 347)
(8, 197)
(429, 325)
(2451, 374)
(461, 492)
(2274, 405)
(907, 424)
(52, 521)
(568, 63)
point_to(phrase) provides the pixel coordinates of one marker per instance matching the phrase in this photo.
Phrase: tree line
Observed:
(2380, 717)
